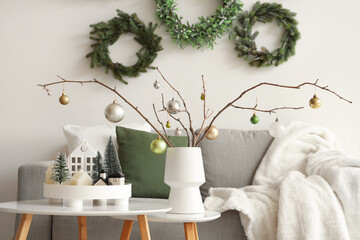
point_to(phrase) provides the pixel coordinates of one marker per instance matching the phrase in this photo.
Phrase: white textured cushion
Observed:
(96, 136)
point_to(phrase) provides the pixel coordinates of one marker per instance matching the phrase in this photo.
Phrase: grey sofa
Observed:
(229, 161)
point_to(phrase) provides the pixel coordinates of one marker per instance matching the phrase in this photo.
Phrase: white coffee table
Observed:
(136, 209)
(189, 221)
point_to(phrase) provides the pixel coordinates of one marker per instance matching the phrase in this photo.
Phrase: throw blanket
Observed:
(304, 188)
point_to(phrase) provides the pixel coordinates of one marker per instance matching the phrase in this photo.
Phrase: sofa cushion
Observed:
(143, 168)
(231, 160)
(96, 136)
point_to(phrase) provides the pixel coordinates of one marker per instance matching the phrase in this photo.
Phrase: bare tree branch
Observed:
(267, 111)
(185, 107)
(176, 119)
(325, 88)
(204, 110)
(198, 137)
(162, 125)
(45, 87)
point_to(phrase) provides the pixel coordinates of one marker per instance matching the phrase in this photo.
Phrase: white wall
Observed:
(43, 38)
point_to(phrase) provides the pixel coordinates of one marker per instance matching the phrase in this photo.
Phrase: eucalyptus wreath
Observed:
(244, 38)
(105, 34)
(200, 34)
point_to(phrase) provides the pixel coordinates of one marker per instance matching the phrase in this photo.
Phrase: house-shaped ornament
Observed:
(117, 178)
(81, 178)
(83, 157)
(102, 181)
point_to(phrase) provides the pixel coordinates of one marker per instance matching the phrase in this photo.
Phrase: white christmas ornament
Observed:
(276, 129)
(114, 112)
(178, 132)
(157, 84)
(173, 106)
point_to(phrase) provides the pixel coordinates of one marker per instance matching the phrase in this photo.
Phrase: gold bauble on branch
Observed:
(213, 133)
(64, 99)
(315, 102)
(168, 124)
(158, 146)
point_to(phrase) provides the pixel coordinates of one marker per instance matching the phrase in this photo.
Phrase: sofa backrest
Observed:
(231, 160)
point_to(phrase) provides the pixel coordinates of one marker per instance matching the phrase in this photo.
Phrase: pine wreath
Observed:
(200, 34)
(106, 34)
(244, 40)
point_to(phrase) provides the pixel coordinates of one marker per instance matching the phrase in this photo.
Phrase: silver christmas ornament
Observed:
(173, 106)
(114, 112)
(276, 129)
(178, 132)
(157, 84)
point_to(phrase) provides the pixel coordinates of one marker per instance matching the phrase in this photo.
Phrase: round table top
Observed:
(43, 207)
(175, 217)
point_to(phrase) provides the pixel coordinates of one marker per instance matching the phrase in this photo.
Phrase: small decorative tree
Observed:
(61, 171)
(111, 158)
(97, 167)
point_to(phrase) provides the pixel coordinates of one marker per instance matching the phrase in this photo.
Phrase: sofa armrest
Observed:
(31, 178)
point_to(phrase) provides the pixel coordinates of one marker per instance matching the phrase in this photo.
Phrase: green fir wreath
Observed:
(106, 34)
(200, 34)
(244, 38)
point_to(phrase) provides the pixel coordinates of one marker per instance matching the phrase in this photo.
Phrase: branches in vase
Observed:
(195, 138)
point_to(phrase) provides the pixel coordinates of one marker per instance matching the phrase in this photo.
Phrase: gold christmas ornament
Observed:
(168, 124)
(64, 99)
(213, 133)
(158, 145)
(315, 102)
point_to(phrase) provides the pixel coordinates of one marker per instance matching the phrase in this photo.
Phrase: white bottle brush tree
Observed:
(61, 173)
(206, 129)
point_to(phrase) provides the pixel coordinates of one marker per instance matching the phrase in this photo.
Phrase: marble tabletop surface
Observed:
(175, 217)
(43, 207)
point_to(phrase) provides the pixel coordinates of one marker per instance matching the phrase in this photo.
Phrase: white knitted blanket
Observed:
(304, 189)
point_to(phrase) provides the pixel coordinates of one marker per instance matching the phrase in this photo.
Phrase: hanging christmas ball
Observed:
(213, 133)
(158, 146)
(114, 112)
(202, 97)
(254, 119)
(178, 132)
(173, 106)
(315, 102)
(276, 129)
(64, 99)
(157, 84)
(168, 124)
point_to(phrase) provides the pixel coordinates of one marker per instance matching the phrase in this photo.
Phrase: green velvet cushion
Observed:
(143, 168)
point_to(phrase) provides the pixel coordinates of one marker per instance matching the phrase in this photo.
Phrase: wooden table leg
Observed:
(144, 227)
(126, 231)
(189, 231)
(82, 228)
(195, 231)
(24, 226)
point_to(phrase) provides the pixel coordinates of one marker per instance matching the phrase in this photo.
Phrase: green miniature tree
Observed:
(111, 158)
(97, 167)
(61, 171)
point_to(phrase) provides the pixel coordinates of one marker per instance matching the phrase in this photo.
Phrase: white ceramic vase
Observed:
(184, 173)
